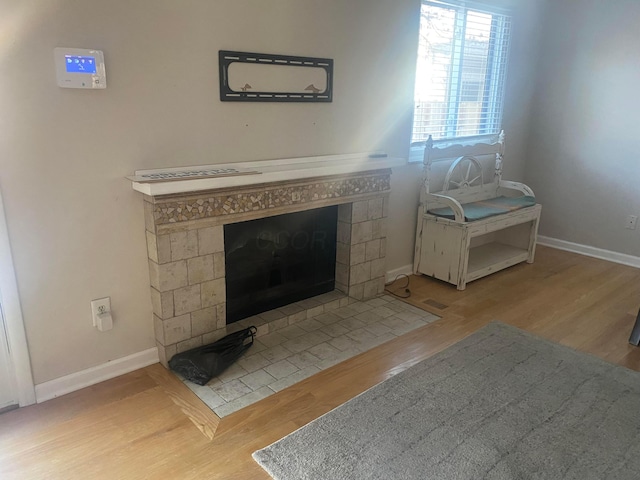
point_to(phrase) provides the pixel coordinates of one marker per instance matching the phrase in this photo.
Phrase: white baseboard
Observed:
(404, 270)
(85, 378)
(600, 253)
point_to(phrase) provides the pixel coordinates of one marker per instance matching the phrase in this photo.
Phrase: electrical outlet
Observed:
(99, 306)
(631, 222)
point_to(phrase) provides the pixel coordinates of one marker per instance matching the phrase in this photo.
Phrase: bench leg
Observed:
(634, 339)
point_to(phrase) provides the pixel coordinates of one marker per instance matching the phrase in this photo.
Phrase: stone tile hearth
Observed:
(297, 351)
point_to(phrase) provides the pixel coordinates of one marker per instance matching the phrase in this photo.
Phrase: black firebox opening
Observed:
(274, 261)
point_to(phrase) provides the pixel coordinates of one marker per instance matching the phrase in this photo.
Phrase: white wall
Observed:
(76, 226)
(583, 156)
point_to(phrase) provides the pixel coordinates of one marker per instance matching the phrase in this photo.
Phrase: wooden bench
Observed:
(468, 227)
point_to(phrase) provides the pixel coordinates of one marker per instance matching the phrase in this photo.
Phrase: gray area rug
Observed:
(500, 404)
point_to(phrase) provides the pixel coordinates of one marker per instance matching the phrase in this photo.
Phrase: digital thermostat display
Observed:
(80, 64)
(80, 68)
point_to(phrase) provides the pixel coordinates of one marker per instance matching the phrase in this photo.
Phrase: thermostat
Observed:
(80, 68)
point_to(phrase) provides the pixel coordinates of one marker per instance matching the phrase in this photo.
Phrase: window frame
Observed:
(495, 86)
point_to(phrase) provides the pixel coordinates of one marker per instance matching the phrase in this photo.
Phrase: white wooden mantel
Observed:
(266, 171)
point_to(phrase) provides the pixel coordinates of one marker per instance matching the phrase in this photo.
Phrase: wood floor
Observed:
(148, 425)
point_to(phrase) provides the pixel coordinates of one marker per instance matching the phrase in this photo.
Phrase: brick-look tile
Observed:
(187, 299)
(310, 325)
(243, 401)
(375, 208)
(232, 373)
(218, 265)
(294, 378)
(206, 394)
(344, 232)
(253, 362)
(281, 369)
(221, 313)
(257, 379)
(359, 212)
(188, 344)
(165, 353)
(342, 253)
(273, 339)
(297, 317)
(358, 253)
(372, 250)
(362, 232)
(231, 390)
(334, 330)
(371, 288)
(342, 274)
(262, 330)
(152, 246)
(162, 303)
(360, 274)
(328, 318)
(168, 276)
(149, 220)
(309, 303)
(291, 309)
(204, 321)
(324, 351)
(200, 269)
(278, 324)
(158, 328)
(272, 315)
(331, 305)
(214, 336)
(210, 240)
(164, 248)
(356, 292)
(292, 331)
(344, 212)
(213, 292)
(315, 311)
(342, 288)
(378, 268)
(276, 353)
(383, 247)
(343, 343)
(177, 329)
(385, 207)
(184, 245)
(304, 359)
(379, 228)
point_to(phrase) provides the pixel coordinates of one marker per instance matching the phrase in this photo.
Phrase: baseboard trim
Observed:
(391, 275)
(85, 378)
(589, 251)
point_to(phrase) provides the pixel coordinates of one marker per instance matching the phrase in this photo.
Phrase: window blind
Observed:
(460, 78)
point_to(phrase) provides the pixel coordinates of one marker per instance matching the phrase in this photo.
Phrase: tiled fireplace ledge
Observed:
(185, 243)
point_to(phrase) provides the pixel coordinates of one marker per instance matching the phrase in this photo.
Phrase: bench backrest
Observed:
(467, 179)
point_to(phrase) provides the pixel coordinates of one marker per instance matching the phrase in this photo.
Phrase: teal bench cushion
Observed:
(487, 208)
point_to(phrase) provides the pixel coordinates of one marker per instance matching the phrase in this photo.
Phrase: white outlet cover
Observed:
(95, 308)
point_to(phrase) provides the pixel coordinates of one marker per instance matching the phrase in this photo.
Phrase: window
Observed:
(460, 77)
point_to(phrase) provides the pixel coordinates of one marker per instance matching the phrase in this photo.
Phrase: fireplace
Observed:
(190, 226)
(275, 261)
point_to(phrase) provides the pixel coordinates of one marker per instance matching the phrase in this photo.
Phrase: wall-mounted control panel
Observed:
(80, 68)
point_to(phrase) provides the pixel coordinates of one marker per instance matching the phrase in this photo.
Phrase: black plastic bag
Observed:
(201, 364)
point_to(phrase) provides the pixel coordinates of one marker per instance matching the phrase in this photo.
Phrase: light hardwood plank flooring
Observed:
(147, 425)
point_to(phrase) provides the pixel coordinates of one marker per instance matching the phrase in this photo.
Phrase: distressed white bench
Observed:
(467, 227)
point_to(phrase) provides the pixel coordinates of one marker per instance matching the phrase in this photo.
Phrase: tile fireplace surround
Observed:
(184, 221)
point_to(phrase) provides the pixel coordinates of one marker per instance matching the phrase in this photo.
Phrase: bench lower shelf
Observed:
(491, 257)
